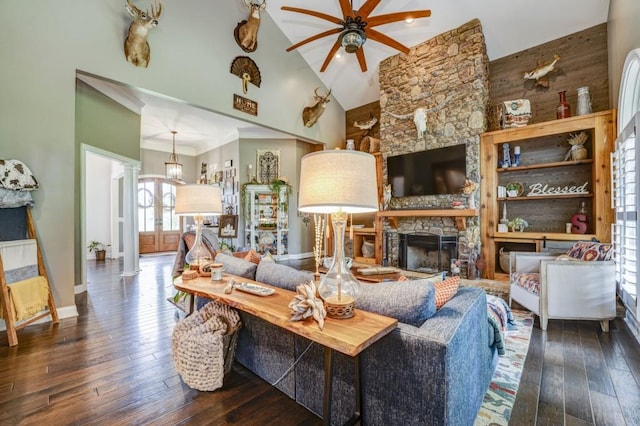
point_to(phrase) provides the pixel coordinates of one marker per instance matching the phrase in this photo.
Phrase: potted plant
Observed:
(518, 224)
(99, 249)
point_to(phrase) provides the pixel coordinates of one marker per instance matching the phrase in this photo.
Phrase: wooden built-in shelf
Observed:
(545, 197)
(561, 236)
(545, 165)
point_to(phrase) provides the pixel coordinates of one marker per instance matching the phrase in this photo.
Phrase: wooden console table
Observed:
(459, 215)
(348, 336)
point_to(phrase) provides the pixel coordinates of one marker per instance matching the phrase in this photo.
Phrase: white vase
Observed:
(471, 201)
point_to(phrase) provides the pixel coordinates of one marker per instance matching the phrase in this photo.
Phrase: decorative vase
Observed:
(584, 101)
(471, 201)
(563, 111)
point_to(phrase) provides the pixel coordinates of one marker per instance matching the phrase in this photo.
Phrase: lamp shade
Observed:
(335, 180)
(203, 200)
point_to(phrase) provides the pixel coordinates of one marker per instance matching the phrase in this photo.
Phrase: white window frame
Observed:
(626, 188)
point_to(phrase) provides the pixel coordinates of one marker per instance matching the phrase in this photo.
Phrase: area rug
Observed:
(498, 401)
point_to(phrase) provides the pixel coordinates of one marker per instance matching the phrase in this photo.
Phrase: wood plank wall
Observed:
(362, 113)
(583, 62)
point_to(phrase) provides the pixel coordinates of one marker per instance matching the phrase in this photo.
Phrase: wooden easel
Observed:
(5, 291)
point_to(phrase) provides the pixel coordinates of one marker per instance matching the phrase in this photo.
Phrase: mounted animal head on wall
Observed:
(136, 47)
(246, 32)
(311, 114)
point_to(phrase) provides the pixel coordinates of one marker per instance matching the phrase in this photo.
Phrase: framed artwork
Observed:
(229, 186)
(268, 165)
(228, 226)
(217, 177)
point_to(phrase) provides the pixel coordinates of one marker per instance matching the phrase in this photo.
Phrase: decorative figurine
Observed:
(506, 156)
(580, 221)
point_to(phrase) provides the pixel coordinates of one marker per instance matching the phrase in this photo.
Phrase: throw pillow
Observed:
(445, 290)
(252, 256)
(266, 257)
(410, 302)
(589, 250)
(282, 276)
(236, 266)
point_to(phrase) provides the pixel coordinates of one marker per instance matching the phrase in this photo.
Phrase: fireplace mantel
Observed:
(459, 215)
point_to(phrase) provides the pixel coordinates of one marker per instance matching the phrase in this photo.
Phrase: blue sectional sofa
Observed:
(435, 372)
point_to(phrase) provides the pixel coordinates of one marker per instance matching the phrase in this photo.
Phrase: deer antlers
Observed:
(136, 47)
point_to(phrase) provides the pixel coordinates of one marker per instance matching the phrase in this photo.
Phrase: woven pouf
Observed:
(203, 345)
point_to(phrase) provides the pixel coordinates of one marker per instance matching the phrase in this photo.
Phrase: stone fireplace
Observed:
(448, 77)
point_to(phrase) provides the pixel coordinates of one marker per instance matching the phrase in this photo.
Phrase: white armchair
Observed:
(564, 289)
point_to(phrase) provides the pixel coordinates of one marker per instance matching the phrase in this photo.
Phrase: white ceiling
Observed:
(508, 27)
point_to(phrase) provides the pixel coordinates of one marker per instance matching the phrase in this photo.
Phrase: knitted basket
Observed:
(203, 345)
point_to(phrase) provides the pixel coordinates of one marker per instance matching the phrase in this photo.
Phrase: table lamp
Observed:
(338, 182)
(198, 201)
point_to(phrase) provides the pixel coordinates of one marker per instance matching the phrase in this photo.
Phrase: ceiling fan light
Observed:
(352, 40)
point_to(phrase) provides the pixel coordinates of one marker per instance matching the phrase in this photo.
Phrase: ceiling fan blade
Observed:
(315, 37)
(331, 55)
(361, 59)
(367, 8)
(346, 8)
(314, 13)
(398, 16)
(381, 38)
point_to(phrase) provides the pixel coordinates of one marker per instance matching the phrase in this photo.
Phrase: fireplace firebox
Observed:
(426, 252)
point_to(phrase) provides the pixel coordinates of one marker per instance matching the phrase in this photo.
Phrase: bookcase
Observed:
(550, 188)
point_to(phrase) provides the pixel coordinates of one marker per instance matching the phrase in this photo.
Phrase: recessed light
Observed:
(409, 20)
(338, 55)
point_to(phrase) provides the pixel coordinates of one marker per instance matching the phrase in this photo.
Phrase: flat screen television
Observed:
(437, 171)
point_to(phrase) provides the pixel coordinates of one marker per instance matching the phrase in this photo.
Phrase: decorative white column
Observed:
(130, 244)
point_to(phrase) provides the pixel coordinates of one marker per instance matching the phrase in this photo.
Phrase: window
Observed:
(626, 183)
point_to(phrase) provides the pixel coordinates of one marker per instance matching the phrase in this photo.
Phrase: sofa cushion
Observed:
(282, 276)
(236, 266)
(445, 290)
(589, 250)
(410, 302)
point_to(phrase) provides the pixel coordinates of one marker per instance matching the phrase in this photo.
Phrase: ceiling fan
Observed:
(355, 27)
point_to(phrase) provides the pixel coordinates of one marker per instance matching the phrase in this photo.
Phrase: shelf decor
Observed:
(552, 186)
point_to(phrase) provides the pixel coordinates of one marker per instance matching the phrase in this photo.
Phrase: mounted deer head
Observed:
(246, 32)
(136, 48)
(311, 114)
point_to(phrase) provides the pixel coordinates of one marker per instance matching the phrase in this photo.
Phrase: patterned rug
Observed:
(499, 399)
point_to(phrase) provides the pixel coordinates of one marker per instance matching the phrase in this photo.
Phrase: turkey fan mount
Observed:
(247, 71)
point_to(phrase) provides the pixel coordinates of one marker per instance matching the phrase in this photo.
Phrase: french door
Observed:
(158, 226)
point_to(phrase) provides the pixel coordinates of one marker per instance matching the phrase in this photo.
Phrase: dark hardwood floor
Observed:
(113, 365)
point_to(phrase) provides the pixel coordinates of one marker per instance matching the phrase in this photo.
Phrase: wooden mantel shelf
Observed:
(460, 215)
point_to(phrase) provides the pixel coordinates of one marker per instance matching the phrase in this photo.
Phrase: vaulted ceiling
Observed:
(508, 27)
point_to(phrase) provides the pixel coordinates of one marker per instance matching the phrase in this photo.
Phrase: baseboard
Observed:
(64, 312)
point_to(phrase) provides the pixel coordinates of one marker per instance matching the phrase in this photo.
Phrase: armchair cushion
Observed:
(529, 281)
(588, 250)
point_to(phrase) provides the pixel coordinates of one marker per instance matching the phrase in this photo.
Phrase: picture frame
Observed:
(268, 165)
(228, 226)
